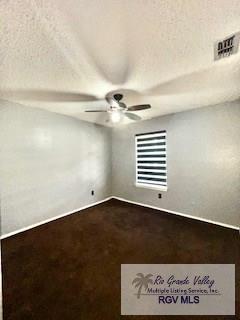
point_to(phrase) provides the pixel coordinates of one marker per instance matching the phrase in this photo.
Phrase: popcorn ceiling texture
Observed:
(159, 52)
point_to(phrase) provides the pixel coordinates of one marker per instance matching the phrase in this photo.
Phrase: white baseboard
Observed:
(121, 199)
(178, 213)
(52, 219)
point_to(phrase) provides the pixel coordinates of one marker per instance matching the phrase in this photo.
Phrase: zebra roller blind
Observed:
(151, 159)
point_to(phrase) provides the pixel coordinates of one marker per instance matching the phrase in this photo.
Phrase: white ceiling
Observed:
(157, 52)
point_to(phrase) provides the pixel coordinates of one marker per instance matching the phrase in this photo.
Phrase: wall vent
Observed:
(227, 46)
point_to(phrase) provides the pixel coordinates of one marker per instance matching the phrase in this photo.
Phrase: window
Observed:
(151, 160)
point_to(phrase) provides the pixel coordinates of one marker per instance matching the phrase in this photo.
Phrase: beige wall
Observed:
(203, 152)
(49, 164)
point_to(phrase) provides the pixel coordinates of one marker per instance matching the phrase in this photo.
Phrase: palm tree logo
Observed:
(142, 281)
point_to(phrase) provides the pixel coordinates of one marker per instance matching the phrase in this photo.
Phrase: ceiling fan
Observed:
(118, 109)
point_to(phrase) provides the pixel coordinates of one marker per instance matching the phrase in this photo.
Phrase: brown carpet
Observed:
(69, 269)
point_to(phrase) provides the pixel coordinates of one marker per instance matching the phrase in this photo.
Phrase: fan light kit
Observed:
(115, 116)
(118, 109)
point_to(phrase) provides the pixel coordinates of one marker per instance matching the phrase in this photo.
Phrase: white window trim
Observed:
(144, 185)
(152, 187)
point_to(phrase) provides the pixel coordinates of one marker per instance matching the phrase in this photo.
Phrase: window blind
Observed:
(151, 159)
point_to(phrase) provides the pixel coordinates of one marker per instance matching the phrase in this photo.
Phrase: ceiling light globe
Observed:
(115, 116)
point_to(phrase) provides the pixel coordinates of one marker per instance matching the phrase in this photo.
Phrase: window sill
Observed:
(152, 187)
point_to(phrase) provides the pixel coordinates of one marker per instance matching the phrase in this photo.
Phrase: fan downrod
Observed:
(118, 96)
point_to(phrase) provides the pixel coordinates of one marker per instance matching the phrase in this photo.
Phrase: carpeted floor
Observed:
(69, 269)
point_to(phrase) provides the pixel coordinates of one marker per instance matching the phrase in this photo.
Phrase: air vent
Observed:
(227, 46)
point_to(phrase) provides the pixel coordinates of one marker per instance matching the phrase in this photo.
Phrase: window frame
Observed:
(149, 185)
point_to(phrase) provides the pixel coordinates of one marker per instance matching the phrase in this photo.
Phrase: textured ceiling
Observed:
(157, 52)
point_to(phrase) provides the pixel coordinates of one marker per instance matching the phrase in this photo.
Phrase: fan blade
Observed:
(95, 110)
(139, 107)
(122, 105)
(132, 116)
(46, 95)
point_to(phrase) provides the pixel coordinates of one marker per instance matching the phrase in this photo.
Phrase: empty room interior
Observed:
(120, 159)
